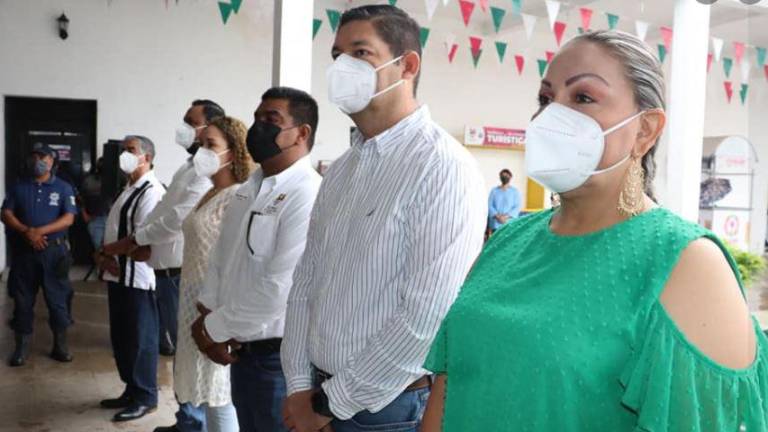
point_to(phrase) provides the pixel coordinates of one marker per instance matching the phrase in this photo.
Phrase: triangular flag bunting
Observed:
(452, 52)
(728, 90)
(662, 53)
(586, 17)
(501, 49)
(226, 11)
(580, 30)
(760, 56)
(738, 51)
(236, 5)
(498, 16)
(423, 36)
(743, 93)
(550, 55)
(316, 23)
(392, 2)
(450, 38)
(529, 22)
(613, 20)
(333, 18)
(476, 57)
(641, 29)
(559, 30)
(542, 67)
(727, 64)
(709, 62)
(765, 69)
(475, 43)
(467, 7)
(445, 2)
(717, 47)
(666, 35)
(517, 7)
(484, 5)
(553, 8)
(431, 6)
(745, 67)
(520, 62)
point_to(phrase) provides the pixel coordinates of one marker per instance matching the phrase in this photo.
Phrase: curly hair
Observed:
(235, 132)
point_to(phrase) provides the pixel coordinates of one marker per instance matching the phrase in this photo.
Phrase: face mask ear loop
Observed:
(622, 123)
(394, 60)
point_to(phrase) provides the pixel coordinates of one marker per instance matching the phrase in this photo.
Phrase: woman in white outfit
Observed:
(197, 380)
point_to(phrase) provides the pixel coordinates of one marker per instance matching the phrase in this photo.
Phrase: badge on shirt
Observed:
(272, 209)
(72, 200)
(241, 197)
(54, 199)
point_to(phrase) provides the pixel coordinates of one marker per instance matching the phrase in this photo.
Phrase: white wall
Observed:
(143, 63)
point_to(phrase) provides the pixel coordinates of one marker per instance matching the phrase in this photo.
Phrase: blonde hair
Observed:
(234, 133)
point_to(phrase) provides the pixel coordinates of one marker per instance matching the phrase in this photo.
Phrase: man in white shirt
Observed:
(162, 231)
(133, 317)
(397, 224)
(263, 233)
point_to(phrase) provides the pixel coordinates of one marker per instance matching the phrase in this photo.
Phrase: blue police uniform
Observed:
(37, 204)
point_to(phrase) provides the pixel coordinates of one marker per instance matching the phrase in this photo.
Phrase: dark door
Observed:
(67, 125)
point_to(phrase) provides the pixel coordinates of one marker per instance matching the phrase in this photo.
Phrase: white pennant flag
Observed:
(431, 7)
(641, 28)
(450, 39)
(445, 2)
(529, 21)
(717, 48)
(745, 71)
(553, 7)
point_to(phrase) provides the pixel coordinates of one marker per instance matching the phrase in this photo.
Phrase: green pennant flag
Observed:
(517, 6)
(581, 30)
(613, 20)
(760, 56)
(743, 93)
(501, 49)
(423, 36)
(236, 5)
(498, 17)
(333, 18)
(316, 23)
(226, 11)
(392, 2)
(727, 64)
(542, 67)
(476, 58)
(662, 53)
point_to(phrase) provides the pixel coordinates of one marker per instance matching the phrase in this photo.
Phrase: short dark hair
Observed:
(505, 170)
(395, 27)
(301, 106)
(211, 109)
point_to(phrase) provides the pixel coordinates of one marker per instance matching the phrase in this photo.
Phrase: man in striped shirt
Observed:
(396, 226)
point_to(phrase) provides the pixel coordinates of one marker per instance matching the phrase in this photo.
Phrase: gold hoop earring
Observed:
(632, 197)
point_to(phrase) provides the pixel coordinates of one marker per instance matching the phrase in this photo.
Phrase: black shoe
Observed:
(133, 412)
(60, 351)
(167, 351)
(20, 353)
(167, 429)
(124, 401)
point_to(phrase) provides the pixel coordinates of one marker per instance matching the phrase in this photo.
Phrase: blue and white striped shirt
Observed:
(398, 221)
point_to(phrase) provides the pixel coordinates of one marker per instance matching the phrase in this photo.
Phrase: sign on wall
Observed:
(494, 137)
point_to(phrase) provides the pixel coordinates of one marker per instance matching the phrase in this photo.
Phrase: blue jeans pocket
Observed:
(402, 415)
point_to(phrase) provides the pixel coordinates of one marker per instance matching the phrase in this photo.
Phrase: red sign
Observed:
(487, 136)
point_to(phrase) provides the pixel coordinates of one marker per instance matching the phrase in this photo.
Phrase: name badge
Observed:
(54, 199)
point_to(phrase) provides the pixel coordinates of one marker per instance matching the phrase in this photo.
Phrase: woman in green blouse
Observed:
(609, 313)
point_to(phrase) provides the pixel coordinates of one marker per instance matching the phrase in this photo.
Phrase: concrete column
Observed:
(686, 101)
(292, 44)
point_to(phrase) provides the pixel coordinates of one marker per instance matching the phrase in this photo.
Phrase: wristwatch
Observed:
(320, 403)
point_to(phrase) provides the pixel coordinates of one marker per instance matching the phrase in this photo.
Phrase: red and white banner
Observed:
(488, 136)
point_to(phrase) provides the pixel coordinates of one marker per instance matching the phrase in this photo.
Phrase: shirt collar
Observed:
(388, 139)
(50, 180)
(276, 180)
(146, 177)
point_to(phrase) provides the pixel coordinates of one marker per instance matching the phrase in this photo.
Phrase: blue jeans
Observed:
(402, 415)
(190, 418)
(205, 418)
(96, 228)
(258, 392)
(222, 418)
(168, 306)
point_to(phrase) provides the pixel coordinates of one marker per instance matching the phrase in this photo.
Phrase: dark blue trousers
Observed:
(258, 391)
(133, 325)
(168, 306)
(29, 271)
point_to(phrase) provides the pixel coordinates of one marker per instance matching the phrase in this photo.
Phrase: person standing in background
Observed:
(95, 205)
(504, 202)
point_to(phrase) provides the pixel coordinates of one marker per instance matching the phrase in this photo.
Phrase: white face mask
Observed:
(186, 134)
(352, 83)
(129, 162)
(207, 163)
(563, 147)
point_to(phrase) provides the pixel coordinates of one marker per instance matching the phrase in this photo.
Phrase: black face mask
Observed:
(193, 148)
(505, 179)
(261, 141)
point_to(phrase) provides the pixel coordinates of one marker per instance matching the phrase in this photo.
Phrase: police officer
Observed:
(37, 213)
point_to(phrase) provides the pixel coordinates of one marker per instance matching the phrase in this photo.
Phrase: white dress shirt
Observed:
(162, 229)
(398, 222)
(135, 203)
(263, 234)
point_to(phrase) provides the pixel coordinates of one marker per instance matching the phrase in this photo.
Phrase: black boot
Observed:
(60, 351)
(20, 353)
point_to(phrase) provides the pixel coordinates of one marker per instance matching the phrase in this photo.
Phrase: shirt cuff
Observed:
(299, 383)
(216, 327)
(140, 236)
(341, 403)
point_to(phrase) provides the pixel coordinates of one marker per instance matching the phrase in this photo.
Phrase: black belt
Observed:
(263, 347)
(425, 381)
(169, 272)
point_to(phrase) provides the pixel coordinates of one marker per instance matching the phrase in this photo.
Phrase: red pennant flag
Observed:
(475, 43)
(765, 68)
(550, 56)
(586, 18)
(520, 62)
(728, 90)
(666, 34)
(738, 51)
(467, 7)
(709, 62)
(452, 52)
(484, 5)
(559, 30)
